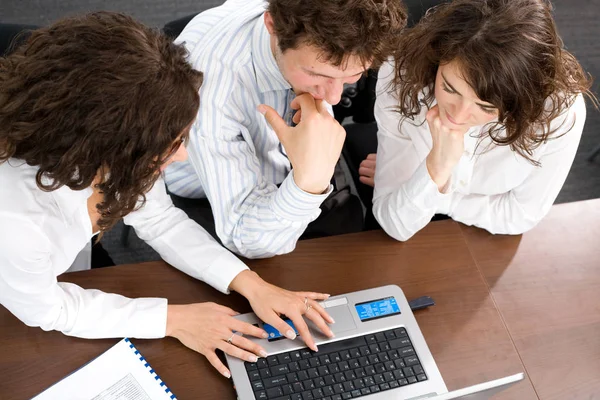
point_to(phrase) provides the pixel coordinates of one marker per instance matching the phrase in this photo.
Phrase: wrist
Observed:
(173, 319)
(309, 186)
(247, 283)
(440, 175)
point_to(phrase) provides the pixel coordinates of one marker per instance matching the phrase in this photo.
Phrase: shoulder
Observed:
(567, 127)
(25, 209)
(22, 243)
(219, 38)
(387, 104)
(20, 194)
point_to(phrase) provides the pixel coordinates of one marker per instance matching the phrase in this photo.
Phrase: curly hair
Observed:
(98, 93)
(509, 52)
(367, 29)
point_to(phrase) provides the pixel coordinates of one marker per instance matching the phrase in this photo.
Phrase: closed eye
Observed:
(447, 89)
(488, 110)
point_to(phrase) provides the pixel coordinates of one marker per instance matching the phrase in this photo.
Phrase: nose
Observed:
(334, 90)
(461, 112)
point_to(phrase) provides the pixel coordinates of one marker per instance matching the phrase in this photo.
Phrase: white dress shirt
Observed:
(41, 233)
(492, 187)
(235, 158)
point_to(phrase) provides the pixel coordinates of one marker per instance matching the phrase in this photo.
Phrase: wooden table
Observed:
(504, 305)
(546, 285)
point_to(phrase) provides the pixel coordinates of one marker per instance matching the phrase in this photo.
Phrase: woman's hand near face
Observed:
(448, 147)
(206, 327)
(269, 302)
(367, 168)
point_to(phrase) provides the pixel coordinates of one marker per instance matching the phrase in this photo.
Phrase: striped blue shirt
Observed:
(235, 158)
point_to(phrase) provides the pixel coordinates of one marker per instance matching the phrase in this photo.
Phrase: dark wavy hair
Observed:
(97, 93)
(510, 54)
(367, 29)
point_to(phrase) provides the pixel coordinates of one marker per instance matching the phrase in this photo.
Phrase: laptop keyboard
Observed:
(346, 369)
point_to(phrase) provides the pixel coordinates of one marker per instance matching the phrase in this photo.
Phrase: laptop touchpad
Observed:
(343, 320)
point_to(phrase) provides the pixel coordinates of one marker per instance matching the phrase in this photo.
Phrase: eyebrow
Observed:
(327, 76)
(457, 92)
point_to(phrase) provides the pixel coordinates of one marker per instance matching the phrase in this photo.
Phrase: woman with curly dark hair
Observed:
(479, 117)
(91, 110)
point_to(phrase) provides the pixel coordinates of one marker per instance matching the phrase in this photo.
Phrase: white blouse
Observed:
(41, 233)
(491, 187)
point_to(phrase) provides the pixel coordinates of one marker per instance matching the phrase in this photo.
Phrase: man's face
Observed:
(307, 72)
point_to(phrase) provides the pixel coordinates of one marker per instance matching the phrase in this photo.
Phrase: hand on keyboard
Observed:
(269, 302)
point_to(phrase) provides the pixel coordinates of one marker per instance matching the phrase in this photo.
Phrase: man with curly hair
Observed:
(268, 182)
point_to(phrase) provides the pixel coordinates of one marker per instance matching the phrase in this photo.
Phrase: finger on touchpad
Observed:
(342, 317)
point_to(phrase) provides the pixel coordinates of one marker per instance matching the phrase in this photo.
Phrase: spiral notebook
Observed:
(120, 373)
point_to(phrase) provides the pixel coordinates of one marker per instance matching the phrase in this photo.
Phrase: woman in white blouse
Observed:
(479, 117)
(92, 109)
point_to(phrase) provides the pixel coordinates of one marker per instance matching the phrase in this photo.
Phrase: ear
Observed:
(269, 23)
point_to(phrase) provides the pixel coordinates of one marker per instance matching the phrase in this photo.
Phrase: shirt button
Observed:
(463, 183)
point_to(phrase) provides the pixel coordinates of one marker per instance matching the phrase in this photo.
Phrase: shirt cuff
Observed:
(294, 204)
(149, 320)
(423, 191)
(224, 270)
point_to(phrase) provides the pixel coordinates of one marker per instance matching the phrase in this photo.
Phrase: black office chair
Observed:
(594, 153)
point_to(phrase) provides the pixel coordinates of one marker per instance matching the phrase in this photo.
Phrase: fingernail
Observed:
(261, 109)
(252, 358)
(226, 374)
(332, 320)
(315, 348)
(327, 295)
(265, 335)
(290, 334)
(263, 353)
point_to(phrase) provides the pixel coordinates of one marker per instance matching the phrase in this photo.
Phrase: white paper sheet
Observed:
(117, 374)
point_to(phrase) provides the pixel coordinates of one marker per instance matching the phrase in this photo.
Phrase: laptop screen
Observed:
(374, 309)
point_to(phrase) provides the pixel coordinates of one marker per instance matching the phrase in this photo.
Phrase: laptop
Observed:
(378, 352)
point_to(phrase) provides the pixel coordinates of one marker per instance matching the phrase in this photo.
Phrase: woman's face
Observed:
(460, 108)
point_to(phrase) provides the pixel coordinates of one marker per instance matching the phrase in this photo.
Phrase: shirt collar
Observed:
(268, 75)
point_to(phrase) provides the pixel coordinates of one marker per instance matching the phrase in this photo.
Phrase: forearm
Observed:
(89, 314)
(410, 206)
(270, 223)
(106, 315)
(498, 214)
(247, 283)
